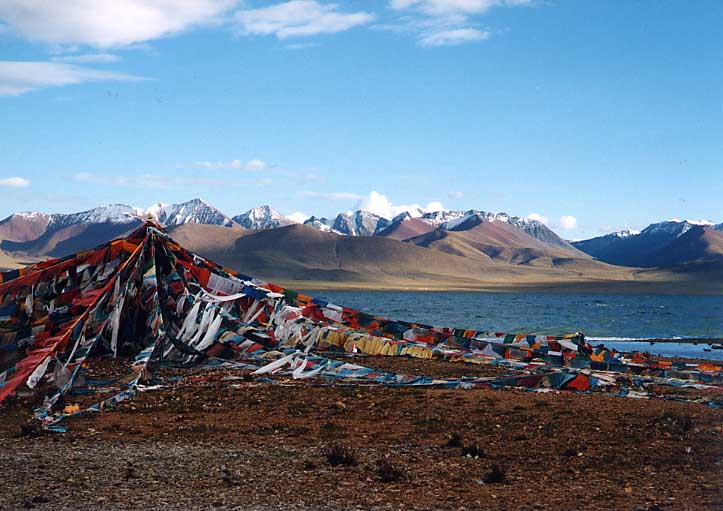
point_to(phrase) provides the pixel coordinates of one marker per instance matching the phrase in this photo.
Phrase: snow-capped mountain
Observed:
(451, 220)
(323, 224)
(441, 218)
(644, 248)
(359, 223)
(196, 211)
(625, 233)
(112, 213)
(262, 217)
(38, 233)
(24, 226)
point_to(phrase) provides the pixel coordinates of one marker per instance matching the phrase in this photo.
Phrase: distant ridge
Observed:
(457, 249)
(660, 244)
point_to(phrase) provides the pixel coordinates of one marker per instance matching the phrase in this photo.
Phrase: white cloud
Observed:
(299, 18)
(254, 165)
(453, 37)
(298, 217)
(20, 77)
(90, 58)
(568, 222)
(437, 7)
(107, 23)
(380, 204)
(445, 22)
(14, 182)
(456, 195)
(540, 218)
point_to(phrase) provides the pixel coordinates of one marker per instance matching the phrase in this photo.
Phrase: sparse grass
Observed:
(496, 475)
(454, 440)
(130, 472)
(340, 455)
(388, 472)
(675, 423)
(570, 452)
(473, 450)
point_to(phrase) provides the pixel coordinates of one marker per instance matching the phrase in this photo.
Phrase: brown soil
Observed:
(219, 439)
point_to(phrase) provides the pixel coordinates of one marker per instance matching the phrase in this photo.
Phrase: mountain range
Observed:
(442, 249)
(663, 244)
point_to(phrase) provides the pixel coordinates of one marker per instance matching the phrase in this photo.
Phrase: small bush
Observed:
(570, 452)
(340, 455)
(227, 477)
(473, 450)
(496, 475)
(130, 472)
(31, 430)
(454, 440)
(388, 472)
(675, 423)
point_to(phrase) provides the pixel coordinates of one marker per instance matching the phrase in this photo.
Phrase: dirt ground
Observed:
(222, 440)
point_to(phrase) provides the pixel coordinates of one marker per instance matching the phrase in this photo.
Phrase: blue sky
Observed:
(592, 115)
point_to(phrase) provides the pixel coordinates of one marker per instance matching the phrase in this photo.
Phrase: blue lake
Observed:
(605, 318)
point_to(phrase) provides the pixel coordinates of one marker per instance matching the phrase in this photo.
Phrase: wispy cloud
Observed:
(441, 7)
(160, 181)
(335, 196)
(257, 165)
(107, 23)
(299, 18)
(456, 195)
(20, 77)
(89, 58)
(254, 165)
(453, 37)
(14, 182)
(301, 46)
(445, 22)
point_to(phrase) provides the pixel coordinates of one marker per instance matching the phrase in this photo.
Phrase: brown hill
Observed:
(22, 227)
(479, 239)
(406, 228)
(212, 239)
(68, 240)
(304, 255)
(700, 243)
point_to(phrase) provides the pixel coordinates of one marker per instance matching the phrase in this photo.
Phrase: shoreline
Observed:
(662, 340)
(554, 288)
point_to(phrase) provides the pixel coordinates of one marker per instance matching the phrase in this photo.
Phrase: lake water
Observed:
(604, 318)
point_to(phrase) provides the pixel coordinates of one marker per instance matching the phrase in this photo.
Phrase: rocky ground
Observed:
(222, 440)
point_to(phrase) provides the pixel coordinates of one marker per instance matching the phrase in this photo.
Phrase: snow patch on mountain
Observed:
(31, 215)
(673, 227)
(625, 233)
(113, 213)
(359, 223)
(262, 217)
(196, 211)
(323, 224)
(692, 222)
